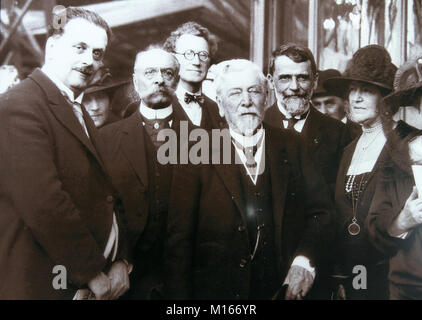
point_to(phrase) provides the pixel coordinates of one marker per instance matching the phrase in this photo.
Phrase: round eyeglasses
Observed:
(190, 55)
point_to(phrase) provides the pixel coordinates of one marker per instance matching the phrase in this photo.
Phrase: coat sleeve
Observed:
(31, 187)
(386, 205)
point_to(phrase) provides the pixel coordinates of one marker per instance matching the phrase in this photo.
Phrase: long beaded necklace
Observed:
(354, 228)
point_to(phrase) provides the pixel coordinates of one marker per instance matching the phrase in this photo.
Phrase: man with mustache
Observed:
(243, 229)
(141, 180)
(194, 47)
(57, 204)
(293, 76)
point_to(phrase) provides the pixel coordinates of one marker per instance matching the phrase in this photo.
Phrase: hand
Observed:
(299, 281)
(119, 278)
(409, 217)
(100, 286)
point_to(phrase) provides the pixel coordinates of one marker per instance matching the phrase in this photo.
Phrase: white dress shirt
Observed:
(193, 109)
(298, 125)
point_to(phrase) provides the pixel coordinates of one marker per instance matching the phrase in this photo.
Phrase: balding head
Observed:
(155, 77)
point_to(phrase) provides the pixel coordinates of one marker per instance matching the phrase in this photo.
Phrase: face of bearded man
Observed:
(293, 84)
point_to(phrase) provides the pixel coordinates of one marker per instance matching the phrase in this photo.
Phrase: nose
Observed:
(246, 100)
(355, 95)
(196, 59)
(87, 58)
(159, 77)
(293, 85)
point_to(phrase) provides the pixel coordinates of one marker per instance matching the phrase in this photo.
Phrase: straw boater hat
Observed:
(371, 64)
(407, 86)
(324, 75)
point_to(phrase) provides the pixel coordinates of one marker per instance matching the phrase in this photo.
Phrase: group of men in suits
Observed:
(101, 204)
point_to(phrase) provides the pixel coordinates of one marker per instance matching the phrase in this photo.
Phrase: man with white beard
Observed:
(293, 76)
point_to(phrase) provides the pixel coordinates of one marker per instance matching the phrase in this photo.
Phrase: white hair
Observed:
(236, 65)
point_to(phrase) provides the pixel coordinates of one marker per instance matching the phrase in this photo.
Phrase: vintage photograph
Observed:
(217, 150)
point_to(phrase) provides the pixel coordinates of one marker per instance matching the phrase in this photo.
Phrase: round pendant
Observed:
(156, 126)
(353, 228)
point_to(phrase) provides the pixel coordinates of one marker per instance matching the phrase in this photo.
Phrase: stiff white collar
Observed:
(247, 141)
(150, 113)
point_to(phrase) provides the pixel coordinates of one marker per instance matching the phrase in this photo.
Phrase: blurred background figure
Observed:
(99, 98)
(327, 102)
(9, 77)
(98, 101)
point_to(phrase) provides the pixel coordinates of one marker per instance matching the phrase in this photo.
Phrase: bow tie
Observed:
(293, 120)
(198, 98)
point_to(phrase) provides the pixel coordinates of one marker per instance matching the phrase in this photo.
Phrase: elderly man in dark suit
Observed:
(56, 202)
(240, 229)
(138, 173)
(293, 76)
(194, 47)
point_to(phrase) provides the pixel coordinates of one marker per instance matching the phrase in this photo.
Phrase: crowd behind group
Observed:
(317, 201)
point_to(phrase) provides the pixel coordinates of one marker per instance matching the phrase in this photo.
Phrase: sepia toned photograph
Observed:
(210, 155)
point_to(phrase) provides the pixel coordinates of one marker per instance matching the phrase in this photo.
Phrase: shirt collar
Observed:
(150, 113)
(286, 114)
(180, 92)
(247, 141)
(61, 86)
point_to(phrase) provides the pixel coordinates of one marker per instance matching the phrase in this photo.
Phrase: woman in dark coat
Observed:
(368, 78)
(395, 218)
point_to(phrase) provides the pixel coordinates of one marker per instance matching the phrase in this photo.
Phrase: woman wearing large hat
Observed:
(395, 218)
(368, 78)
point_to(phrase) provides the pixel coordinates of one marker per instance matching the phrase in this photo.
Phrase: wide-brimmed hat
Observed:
(324, 75)
(407, 85)
(371, 64)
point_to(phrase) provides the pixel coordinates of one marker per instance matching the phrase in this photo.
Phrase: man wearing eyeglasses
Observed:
(140, 179)
(194, 47)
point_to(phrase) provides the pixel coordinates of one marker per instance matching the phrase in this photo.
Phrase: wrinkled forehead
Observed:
(155, 58)
(285, 65)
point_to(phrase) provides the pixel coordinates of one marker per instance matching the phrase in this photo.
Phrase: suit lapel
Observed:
(279, 167)
(63, 112)
(133, 146)
(230, 175)
(312, 129)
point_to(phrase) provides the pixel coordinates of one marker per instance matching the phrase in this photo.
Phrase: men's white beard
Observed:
(296, 106)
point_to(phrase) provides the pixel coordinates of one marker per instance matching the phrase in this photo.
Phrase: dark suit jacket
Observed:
(126, 157)
(56, 201)
(207, 238)
(325, 137)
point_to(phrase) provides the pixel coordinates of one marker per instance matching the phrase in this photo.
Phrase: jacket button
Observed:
(110, 198)
(243, 263)
(237, 296)
(241, 228)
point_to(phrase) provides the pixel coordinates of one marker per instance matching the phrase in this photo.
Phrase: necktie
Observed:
(198, 98)
(293, 120)
(78, 111)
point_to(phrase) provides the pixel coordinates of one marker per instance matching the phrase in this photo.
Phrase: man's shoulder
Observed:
(114, 129)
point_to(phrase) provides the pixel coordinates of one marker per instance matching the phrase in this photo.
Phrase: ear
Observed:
(220, 106)
(316, 81)
(270, 81)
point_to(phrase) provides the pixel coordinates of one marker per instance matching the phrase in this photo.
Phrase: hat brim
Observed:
(338, 85)
(108, 88)
(403, 98)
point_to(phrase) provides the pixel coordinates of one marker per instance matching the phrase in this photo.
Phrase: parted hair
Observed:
(73, 13)
(295, 52)
(194, 29)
